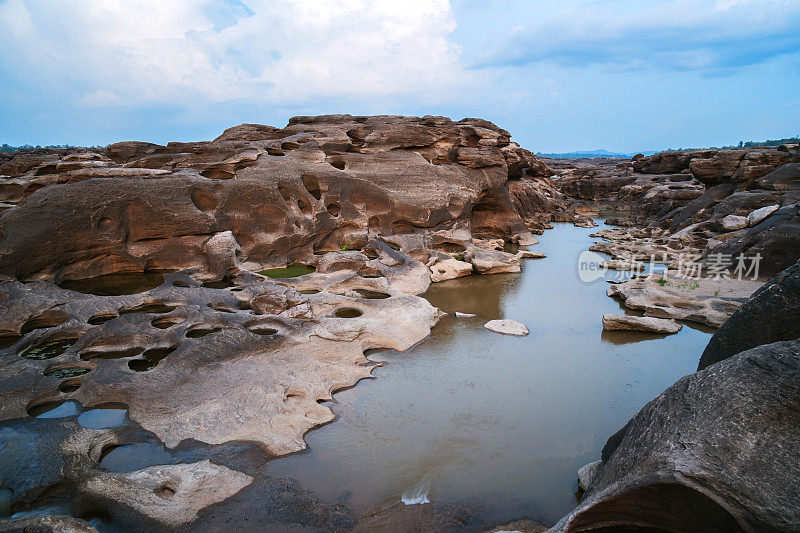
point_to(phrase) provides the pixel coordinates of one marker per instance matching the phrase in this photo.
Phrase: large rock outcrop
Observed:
(696, 200)
(716, 451)
(320, 183)
(771, 315)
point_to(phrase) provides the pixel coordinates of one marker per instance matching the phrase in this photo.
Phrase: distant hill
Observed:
(593, 153)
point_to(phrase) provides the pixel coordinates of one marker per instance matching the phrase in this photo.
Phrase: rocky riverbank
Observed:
(217, 294)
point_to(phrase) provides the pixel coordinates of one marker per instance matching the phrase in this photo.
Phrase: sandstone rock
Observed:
(640, 323)
(760, 214)
(171, 494)
(587, 474)
(492, 261)
(47, 524)
(711, 453)
(772, 314)
(464, 315)
(734, 222)
(221, 253)
(449, 269)
(507, 327)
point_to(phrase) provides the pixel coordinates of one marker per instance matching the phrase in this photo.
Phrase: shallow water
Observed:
(116, 284)
(504, 422)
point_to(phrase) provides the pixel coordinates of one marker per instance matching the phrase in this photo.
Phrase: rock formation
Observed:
(220, 293)
(714, 452)
(730, 202)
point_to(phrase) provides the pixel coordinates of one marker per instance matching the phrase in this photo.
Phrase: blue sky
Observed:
(568, 75)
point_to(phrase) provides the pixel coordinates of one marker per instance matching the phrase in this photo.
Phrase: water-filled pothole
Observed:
(48, 350)
(310, 291)
(348, 312)
(150, 359)
(291, 271)
(68, 372)
(130, 457)
(54, 409)
(104, 416)
(262, 330)
(115, 284)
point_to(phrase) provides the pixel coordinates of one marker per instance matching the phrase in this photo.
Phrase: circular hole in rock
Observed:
(202, 331)
(68, 387)
(68, 372)
(334, 209)
(115, 284)
(310, 291)
(164, 492)
(104, 416)
(348, 312)
(224, 283)
(48, 350)
(54, 409)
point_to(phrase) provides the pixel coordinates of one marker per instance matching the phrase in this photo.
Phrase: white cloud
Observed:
(280, 51)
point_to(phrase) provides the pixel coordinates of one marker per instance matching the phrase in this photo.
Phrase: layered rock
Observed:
(716, 451)
(320, 183)
(731, 202)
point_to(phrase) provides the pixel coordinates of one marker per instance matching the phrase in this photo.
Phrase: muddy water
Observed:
(484, 419)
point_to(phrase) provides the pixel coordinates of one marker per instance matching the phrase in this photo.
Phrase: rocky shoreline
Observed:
(219, 293)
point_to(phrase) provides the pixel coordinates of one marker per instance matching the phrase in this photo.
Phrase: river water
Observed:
(472, 417)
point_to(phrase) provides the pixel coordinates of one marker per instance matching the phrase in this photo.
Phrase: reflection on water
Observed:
(490, 419)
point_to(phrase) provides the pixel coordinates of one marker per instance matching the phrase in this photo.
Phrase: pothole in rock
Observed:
(111, 353)
(201, 331)
(8, 340)
(129, 457)
(156, 308)
(222, 307)
(348, 312)
(262, 329)
(150, 359)
(115, 284)
(101, 319)
(166, 321)
(372, 295)
(54, 409)
(310, 291)
(48, 350)
(224, 283)
(104, 416)
(67, 372)
(69, 386)
(291, 271)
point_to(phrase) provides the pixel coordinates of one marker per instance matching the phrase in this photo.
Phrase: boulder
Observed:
(760, 214)
(587, 474)
(733, 223)
(507, 327)
(449, 269)
(640, 323)
(772, 314)
(714, 452)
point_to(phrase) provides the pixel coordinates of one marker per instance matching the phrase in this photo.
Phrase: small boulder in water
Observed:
(507, 327)
(465, 315)
(640, 323)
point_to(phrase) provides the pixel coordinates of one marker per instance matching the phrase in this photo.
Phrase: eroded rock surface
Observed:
(640, 323)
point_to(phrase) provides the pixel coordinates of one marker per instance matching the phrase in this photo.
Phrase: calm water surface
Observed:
(494, 420)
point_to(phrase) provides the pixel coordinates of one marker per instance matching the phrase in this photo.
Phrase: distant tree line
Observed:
(746, 144)
(5, 148)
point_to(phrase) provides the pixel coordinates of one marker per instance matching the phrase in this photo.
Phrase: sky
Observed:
(563, 75)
